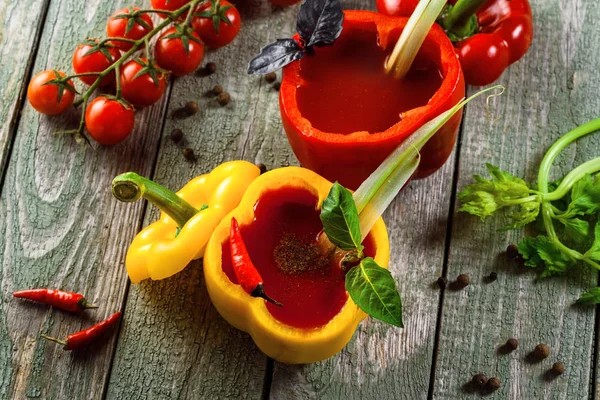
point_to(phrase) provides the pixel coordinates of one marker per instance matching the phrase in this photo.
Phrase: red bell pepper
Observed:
(488, 35)
(351, 158)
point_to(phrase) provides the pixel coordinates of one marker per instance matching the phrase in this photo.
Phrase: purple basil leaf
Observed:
(275, 56)
(320, 22)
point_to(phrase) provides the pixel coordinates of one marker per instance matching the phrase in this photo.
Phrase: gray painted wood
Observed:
(175, 345)
(548, 93)
(381, 361)
(20, 26)
(61, 228)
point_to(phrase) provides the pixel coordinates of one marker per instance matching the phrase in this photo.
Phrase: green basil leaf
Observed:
(340, 219)
(373, 289)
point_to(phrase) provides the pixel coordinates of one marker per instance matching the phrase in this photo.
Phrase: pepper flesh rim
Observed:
(411, 119)
(282, 342)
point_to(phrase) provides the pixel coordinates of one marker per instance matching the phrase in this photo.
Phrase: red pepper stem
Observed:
(460, 14)
(259, 291)
(130, 187)
(63, 342)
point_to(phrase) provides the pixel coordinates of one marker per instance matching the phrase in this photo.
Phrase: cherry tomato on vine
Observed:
(142, 83)
(168, 5)
(108, 120)
(178, 51)
(483, 57)
(217, 22)
(123, 24)
(284, 3)
(89, 57)
(403, 8)
(48, 94)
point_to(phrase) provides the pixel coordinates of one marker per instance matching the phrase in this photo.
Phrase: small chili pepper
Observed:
(558, 368)
(84, 338)
(73, 302)
(244, 269)
(479, 380)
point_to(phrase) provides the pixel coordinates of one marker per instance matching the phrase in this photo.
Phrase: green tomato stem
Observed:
(130, 187)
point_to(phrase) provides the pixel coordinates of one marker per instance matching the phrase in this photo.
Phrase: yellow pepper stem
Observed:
(130, 187)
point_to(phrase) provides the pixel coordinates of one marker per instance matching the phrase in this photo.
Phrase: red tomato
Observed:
(284, 2)
(95, 61)
(223, 11)
(168, 5)
(483, 57)
(109, 121)
(403, 8)
(141, 91)
(46, 99)
(117, 27)
(171, 54)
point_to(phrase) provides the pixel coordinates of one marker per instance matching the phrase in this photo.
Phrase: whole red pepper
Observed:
(244, 269)
(499, 34)
(73, 302)
(82, 339)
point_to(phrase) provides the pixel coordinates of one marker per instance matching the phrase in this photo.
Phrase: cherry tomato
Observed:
(89, 58)
(171, 53)
(117, 27)
(483, 57)
(141, 91)
(403, 8)
(217, 10)
(108, 120)
(284, 3)
(50, 98)
(168, 5)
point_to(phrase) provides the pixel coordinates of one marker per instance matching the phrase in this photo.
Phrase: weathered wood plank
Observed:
(174, 344)
(551, 91)
(381, 361)
(20, 27)
(60, 227)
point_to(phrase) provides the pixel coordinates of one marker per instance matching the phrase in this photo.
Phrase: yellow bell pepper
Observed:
(280, 341)
(188, 217)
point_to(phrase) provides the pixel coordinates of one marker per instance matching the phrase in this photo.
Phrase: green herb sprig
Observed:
(348, 218)
(567, 209)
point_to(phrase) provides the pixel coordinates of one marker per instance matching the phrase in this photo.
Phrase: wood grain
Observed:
(60, 227)
(174, 344)
(382, 361)
(20, 28)
(552, 90)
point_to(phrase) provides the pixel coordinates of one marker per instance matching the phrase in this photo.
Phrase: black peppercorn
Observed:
(191, 107)
(262, 167)
(511, 344)
(271, 77)
(223, 98)
(512, 251)
(492, 276)
(462, 281)
(189, 154)
(558, 368)
(479, 380)
(218, 89)
(176, 135)
(210, 68)
(277, 85)
(493, 384)
(541, 351)
(442, 282)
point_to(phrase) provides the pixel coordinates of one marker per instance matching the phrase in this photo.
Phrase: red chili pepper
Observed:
(244, 269)
(84, 338)
(501, 35)
(73, 302)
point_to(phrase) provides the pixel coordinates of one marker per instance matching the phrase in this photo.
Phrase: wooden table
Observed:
(60, 227)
